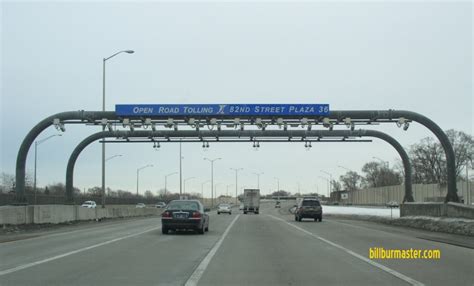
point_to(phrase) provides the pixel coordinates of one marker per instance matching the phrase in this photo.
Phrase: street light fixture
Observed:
(342, 167)
(38, 142)
(212, 178)
(166, 180)
(103, 126)
(258, 178)
(114, 156)
(236, 181)
(138, 174)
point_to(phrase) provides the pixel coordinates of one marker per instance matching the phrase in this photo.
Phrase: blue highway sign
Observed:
(221, 109)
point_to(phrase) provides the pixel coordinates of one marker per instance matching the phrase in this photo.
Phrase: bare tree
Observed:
(351, 181)
(378, 175)
(429, 161)
(58, 189)
(95, 191)
(149, 194)
(7, 182)
(336, 186)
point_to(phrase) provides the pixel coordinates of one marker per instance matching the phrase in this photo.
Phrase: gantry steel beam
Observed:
(368, 116)
(251, 135)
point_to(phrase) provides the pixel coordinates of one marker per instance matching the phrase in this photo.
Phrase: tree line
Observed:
(428, 165)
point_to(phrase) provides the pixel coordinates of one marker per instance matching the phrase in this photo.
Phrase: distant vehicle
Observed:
(140, 206)
(309, 208)
(160, 205)
(241, 207)
(186, 215)
(89, 204)
(251, 201)
(224, 208)
(278, 204)
(392, 204)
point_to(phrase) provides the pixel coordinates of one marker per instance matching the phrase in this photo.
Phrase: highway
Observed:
(265, 249)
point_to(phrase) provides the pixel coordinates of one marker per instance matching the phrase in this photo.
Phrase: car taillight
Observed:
(166, 214)
(196, 214)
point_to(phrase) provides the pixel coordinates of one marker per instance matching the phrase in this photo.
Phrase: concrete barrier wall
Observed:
(423, 209)
(15, 215)
(53, 213)
(453, 210)
(421, 193)
(459, 210)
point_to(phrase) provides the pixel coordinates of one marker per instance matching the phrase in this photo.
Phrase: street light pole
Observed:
(327, 186)
(202, 189)
(227, 189)
(236, 181)
(166, 180)
(36, 158)
(330, 181)
(212, 178)
(103, 126)
(180, 171)
(258, 178)
(215, 187)
(106, 160)
(138, 174)
(187, 179)
(278, 187)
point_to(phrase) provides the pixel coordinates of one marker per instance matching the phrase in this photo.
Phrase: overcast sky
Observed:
(372, 55)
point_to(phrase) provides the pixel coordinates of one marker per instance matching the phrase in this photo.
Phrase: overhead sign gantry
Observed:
(220, 117)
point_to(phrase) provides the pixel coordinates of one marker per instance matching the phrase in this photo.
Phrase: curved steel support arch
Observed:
(338, 115)
(249, 133)
(36, 130)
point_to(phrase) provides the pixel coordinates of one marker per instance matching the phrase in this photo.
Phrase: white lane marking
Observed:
(28, 265)
(197, 274)
(365, 259)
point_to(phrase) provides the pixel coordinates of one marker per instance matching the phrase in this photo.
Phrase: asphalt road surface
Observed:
(265, 249)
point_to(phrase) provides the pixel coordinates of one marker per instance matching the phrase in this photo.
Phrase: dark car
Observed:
(309, 208)
(277, 204)
(185, 215)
